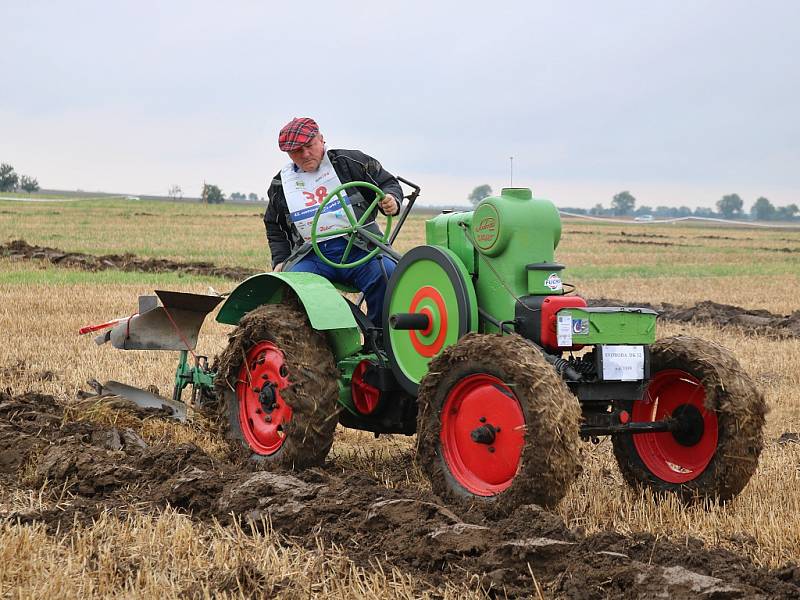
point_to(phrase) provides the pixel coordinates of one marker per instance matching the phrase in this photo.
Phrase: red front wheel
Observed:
(263, 412)
(278, 380)
(714, 451)
(482, 434)
(496, 425)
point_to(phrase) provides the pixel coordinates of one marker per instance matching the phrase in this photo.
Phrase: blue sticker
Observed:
(580, 326)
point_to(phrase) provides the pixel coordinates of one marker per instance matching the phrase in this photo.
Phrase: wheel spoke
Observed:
(348, 248)
(347, 210)
(371, 235)
(368, 212)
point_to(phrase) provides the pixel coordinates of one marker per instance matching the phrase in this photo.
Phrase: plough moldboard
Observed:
(165, 321)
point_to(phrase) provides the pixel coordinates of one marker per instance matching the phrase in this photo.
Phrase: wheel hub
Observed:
(690, 425)
(267, 397)
(682, 455)
(485, 434)
(263, 413)
(482, 434)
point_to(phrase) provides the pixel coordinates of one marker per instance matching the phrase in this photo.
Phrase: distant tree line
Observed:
(212, 194)
(175, 192)
(11, 182)
(252, 196)
(479, 193)
(730, 206)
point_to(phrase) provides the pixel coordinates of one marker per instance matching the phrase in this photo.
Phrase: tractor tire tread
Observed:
(549, 460)
(312, 393)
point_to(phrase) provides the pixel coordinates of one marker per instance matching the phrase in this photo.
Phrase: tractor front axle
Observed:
(618, 422)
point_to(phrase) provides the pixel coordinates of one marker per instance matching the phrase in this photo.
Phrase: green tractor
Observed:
(484, 353)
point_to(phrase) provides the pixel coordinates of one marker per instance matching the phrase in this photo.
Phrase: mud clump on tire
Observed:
(312, 393)
(549, 460)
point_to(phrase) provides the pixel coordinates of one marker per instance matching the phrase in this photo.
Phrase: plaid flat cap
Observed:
(297, 133)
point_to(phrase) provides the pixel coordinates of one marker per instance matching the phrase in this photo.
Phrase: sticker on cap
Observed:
(553, 282)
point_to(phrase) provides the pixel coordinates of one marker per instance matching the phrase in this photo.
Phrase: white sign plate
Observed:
(623, 363)
(564, 330)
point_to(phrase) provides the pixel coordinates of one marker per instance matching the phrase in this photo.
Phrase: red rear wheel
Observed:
(720, 416)
(680, 456)
(482, 434)
(263, 413)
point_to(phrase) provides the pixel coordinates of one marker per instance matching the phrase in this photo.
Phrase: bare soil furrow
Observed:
(21, 250)
(101, 468)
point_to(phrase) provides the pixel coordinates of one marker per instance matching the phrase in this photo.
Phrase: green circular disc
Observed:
(427, 280)
(486, 227)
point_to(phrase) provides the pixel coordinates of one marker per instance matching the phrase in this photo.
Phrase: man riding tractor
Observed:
(297, 191)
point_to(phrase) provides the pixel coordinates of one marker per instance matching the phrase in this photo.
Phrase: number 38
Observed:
(317, 196)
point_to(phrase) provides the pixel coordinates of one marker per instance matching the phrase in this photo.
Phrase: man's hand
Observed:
(277, 268)
(389, 205)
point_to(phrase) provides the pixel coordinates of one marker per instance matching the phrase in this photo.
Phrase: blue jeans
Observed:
(369, 277)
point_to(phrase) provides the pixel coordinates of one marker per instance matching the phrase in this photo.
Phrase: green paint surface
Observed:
(327, 310)
(426, 272)
(409, 360)
(619, 326)
(528, 231)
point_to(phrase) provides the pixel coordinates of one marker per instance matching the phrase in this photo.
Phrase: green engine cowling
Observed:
(508, 241)
(507, 244)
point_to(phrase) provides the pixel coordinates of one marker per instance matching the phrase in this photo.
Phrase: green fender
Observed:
(327, 310)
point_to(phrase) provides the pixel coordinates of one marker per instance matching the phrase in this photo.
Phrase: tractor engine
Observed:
(492, 270)
(507, 245)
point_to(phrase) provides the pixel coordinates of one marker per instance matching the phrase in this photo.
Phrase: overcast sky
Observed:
(678, 102)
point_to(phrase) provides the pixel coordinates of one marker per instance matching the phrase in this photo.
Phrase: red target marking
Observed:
(423, 347)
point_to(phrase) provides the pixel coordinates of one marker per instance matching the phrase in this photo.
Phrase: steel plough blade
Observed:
(145, 399)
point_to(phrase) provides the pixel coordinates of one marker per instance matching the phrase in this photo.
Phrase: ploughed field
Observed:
(99, 499)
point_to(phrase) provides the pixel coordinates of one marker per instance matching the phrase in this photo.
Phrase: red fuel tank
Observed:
(550, 307)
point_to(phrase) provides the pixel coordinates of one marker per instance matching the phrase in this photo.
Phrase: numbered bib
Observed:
(305, 192)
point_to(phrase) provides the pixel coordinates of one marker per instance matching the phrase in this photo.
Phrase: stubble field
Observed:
(141, 536)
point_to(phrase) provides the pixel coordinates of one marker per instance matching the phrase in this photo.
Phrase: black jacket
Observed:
(350, 165)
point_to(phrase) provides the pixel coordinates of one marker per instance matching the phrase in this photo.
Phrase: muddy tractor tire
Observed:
(497, 427)
(721, 414)
(277, 386)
